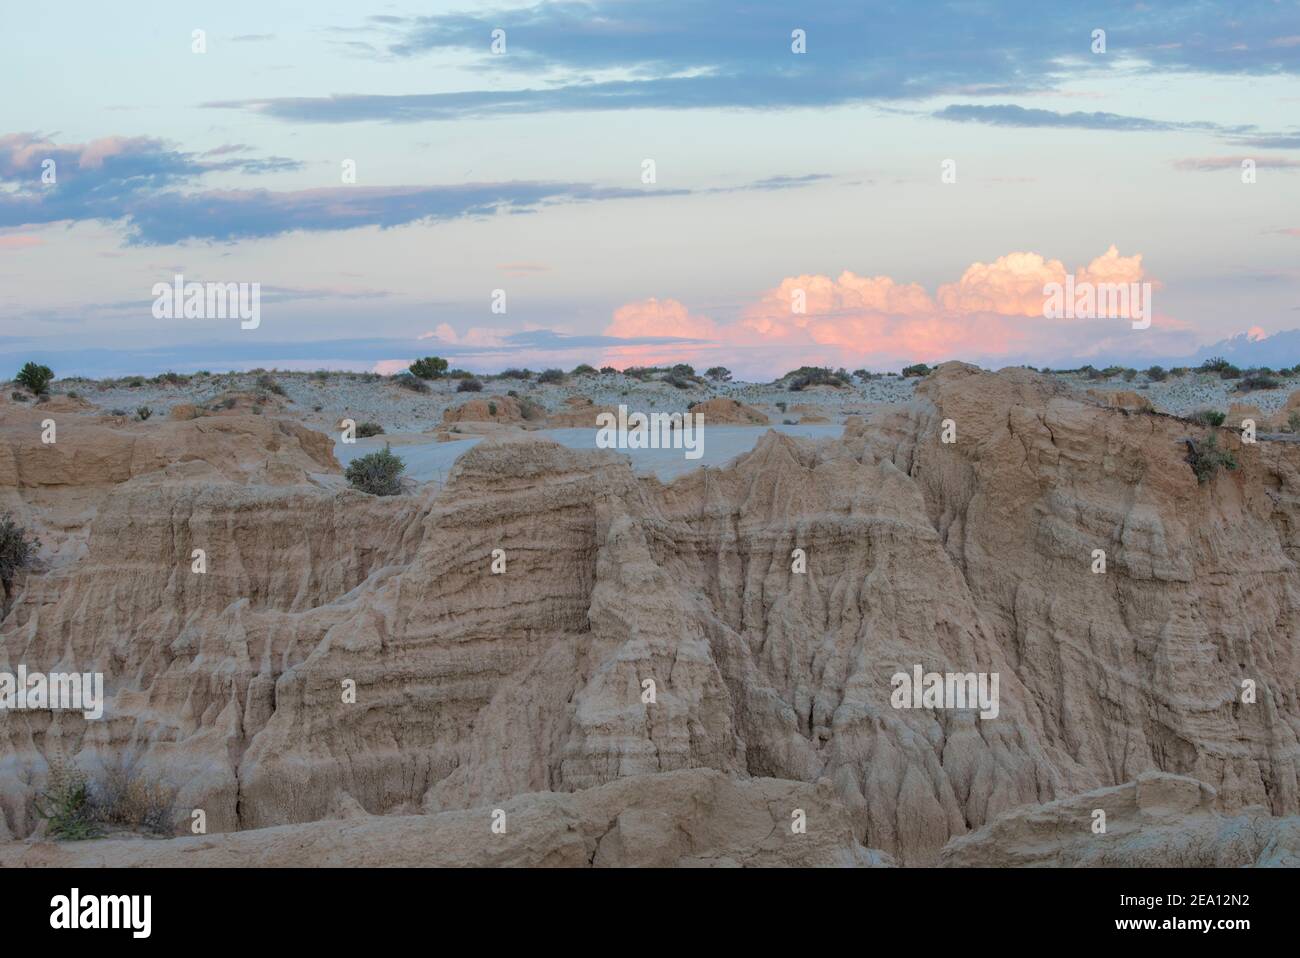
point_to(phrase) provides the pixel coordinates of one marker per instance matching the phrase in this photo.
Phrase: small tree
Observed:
(35, 378)
(718, 373)
(16, 552)
(551, 376)
(378, 473)
(430, 367)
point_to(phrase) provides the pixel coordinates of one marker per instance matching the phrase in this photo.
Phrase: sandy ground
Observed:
(408, 417)
(432, 461)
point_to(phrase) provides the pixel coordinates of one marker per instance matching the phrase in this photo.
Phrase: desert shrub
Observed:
(1129, 375)
(531, 410)
(173, 379)
(367, 429)
(806, 376)
(430, 367)
(268, 383)
(607, 370)
(17, 551)
(469, 386)
(781, 405)
(378, 473)
(124, 797)
(73, 394)
(551, 376)
(1293, 421)
(719, 374)
(683, 369)
(788, 422)
(1178, 372)
(133, 382)
(1256, 381)
(517, 374)
(117, 412)
(920, 369)
(65, 804)
(679, 382)
(492, 409)
(16, 396)
(321, 375)
(1230, 372)
(413, 383)
(1208, 417)
(34, 377)
(1206, 458)
(582, 369)
(143, 413)
(1157, 374)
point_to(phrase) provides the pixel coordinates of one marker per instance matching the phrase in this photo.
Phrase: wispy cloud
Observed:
(681, 54)
(142, 183)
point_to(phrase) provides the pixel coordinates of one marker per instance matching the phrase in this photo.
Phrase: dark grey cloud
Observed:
(149, 187)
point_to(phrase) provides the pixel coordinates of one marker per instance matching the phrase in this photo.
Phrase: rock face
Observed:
(1159, 821)
(687, 643)
(729, 411)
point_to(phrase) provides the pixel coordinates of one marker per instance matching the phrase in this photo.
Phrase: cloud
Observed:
(20, 242)
(1207, 164)
(1006, 114)
(149, 188)
(994, 311)
(682, 54)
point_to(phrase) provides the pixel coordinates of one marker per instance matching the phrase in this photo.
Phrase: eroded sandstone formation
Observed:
(526, 690)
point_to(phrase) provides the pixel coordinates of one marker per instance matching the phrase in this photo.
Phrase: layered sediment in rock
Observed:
(745, 620)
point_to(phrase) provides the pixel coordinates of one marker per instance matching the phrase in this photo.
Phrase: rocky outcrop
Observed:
(547, 627)
(696, 818)
(1158, 821)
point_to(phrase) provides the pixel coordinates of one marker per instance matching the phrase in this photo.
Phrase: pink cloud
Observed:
(994, 309)
(20, 242)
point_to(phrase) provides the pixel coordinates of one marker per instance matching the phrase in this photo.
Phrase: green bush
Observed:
(517, 374)
(719, 374)
(367, 429)
(1157, 374)
(551, 376)
(1206, 458)
(920, 369)
(582, 369)
(1256, 381)
(430, 367)
(143, 413)
(268, 383)
(65, 804)
(378, 473)
(530, 409)
(34, 377)
(413, 383)
(1208, 417)
(806, 376)
(469, 386)
(17, 551)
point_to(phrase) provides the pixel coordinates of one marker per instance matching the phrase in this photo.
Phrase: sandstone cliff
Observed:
(475, 690)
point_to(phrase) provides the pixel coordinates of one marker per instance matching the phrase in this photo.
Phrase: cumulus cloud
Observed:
(994, 310)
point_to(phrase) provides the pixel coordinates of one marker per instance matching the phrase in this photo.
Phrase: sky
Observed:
(851, 184)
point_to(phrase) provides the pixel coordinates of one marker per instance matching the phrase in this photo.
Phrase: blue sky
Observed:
(522, 171)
